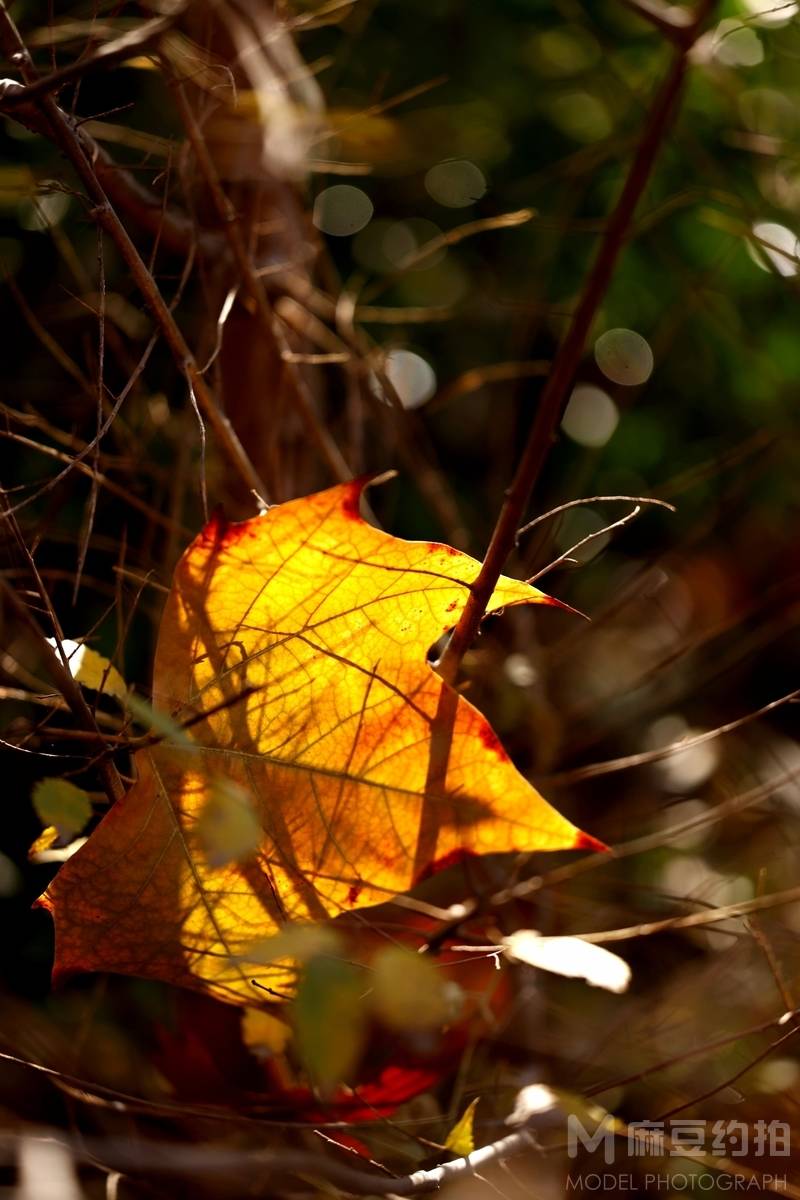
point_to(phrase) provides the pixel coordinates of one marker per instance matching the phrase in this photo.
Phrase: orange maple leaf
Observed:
(294, 646)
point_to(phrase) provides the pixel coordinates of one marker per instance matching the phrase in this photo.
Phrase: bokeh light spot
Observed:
(683, 770)
(455, 183)
(563, 51)
(576, 525)
(404, 238)
(412, 377)
(591, 416)
(735, 45)
(520, 670)
(778, 248)
(342, 210)
(780, 1075)
(581, 116)
(624, 357)
(43, 213)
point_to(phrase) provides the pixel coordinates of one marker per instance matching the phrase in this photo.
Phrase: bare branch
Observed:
(148, 34)
(61, 130)
(741, 909)
(319, 435)
(552, 402)
(652, 756)
(208, 1159)
(671, 21)
(59, 663)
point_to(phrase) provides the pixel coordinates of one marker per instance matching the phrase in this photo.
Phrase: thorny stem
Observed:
(552, 402)
(65, 136)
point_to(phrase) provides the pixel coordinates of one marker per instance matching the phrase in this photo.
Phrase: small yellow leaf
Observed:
(141, 63)
(264, 1034)
(91, 669)
(49, 847)
(461, 1139)
(228, 828)
(408, 992)
(45, 841)
(60, 803)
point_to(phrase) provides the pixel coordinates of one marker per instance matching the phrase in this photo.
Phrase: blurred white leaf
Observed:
(532, 1101)
(570, 956)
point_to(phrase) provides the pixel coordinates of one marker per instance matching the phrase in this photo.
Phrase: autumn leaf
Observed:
(293, 649)
(461, 1138)
(91, 669)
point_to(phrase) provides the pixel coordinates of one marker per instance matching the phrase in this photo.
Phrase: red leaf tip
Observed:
(576, 612)
(585, 841)
(355, 488)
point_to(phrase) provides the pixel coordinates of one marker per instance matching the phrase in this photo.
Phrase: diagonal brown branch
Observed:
(565, 365)
(552, 402)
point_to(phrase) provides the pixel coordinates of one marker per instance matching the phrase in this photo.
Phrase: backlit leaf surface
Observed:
(294, 646)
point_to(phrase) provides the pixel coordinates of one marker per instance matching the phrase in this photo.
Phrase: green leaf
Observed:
(329, 1019)
(62, 804)
(408, 992)
(228, 826)
(169, 730)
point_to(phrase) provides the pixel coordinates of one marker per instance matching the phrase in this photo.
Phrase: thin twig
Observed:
(58, 663)
(666, 1064)
(651, 756)
(208, 1159)
(63, 132)
(567, 360)
(692, 920)
(552, 402)
(566, 557)
(116, 489)
(107, 55)
(554, 512)
(670, 20)
(319, 435)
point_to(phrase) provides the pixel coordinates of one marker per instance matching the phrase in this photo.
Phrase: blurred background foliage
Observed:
(423, 204)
